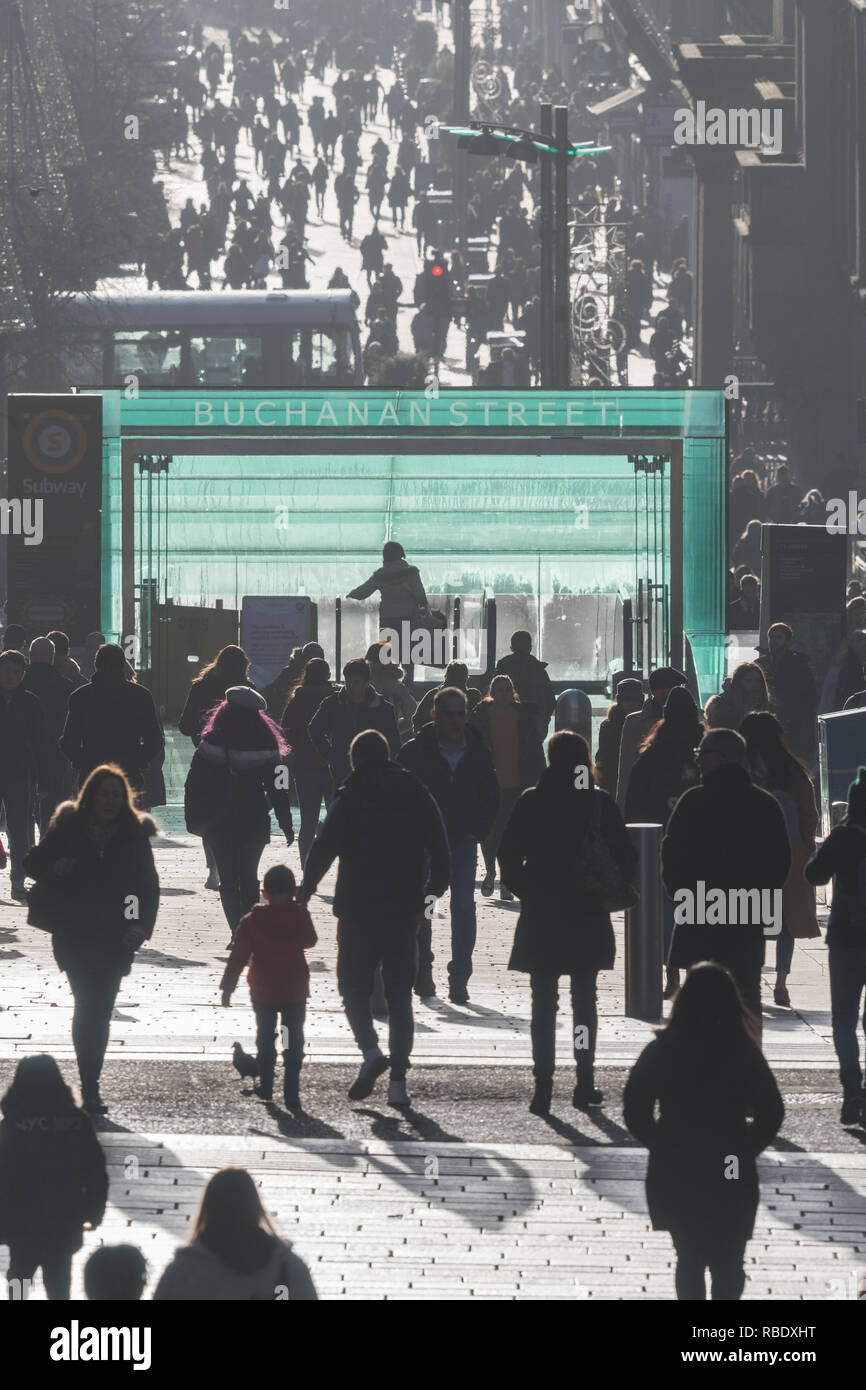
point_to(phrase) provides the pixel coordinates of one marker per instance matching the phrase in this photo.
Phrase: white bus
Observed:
(210, 338)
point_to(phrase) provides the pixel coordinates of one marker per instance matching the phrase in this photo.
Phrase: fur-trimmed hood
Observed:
(66, 809)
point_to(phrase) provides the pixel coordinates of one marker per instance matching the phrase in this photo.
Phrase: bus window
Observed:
(321, 354)
(151, 354)
(221, 359)
(81, 362)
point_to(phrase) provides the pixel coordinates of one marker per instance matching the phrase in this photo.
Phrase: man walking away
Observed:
(530, 679)
(111, 720)
(456, 768)
(388, 835)
(22, 732)
(52, 690)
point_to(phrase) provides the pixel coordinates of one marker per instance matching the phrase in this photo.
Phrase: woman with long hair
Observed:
(281, 687)
(746, 691)
(509, 730)
(709, 1079)
(53, 1179)
(666, 767)
(563, 928)
(775, 768)
(235, 1254)
(312, 774)
(94, 867)
(629, 699)
(230, 667)
(237, 771)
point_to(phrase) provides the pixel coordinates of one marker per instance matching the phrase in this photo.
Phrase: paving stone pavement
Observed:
(430, 1216)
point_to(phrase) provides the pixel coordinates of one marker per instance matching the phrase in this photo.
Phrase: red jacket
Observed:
(275, 937)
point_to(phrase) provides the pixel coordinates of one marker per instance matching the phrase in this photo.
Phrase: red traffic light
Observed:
(436, 270)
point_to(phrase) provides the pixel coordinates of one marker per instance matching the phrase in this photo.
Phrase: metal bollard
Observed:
(643, 928)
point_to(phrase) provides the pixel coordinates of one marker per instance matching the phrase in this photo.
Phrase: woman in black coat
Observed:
(312, 774)
(237, 773)
(53, 1180)
(230, 666)
(561, 930)
(98, 884)
(629, 699)
(709, 1079)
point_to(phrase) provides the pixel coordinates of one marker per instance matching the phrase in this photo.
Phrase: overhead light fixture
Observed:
(484, 143)
(524, 150)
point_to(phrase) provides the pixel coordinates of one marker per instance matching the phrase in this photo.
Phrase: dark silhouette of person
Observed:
(718, 1108)
(563, 927)
(312, 774)
(112, 720)
(22, 743)
(53, 1178)
(116, 1273)
(349, 711)
(95, 862)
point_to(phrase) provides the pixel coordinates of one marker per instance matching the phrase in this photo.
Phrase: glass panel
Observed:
(81, 361)
(151, 354)
(221, 359)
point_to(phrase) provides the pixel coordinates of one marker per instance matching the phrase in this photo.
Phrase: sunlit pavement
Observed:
(467, 1194)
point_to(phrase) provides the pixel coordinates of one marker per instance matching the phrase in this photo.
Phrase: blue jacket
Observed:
(468, 797)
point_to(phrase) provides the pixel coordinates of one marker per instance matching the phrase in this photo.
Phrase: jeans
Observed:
(361, 946)
(508, 799)
(847, 983)
(16, 793)
(94, 983)
(238, 868)
(463, 926)
(545, 1005)
(292, 1021)
(313, 788)
(723, 1256)
(56, 1274)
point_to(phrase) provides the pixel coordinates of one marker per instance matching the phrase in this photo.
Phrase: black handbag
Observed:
(45, 907)
(597, 868)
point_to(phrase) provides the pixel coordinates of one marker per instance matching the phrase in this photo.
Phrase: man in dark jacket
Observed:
(725, 834)
(744, 614)
(22, 733)
(111, 720)
(793, 691)
(52, 690)
(387, 832)
(352, 710)
(530, 679)
(456, 673)
(458, 771)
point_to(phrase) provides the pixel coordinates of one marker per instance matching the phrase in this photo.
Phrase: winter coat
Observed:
(402, 592)
(794, 695)
(842, 857)
(273, 938)
(95, 893)
(559, 931)
(705, 1098)
(404, 702)
(337, 721)
(198, 1274)
(228, 792)
(424, 713)
(52, 690)
(387, 832)
(532, 683)
(725, 711)
(530, 752)
(658, 779)
(204, 695)
(111, 720)
(297, 714)
(53, 1179)
(468, 797)
(607, 757)
(729, 834)
(635, 729)
(22, 735)
(799, 808)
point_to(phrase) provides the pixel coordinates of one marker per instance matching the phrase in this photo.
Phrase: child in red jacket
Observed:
(273, 937)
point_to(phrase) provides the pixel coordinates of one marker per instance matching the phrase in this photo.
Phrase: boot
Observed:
(264, 1087)
(542, 1096)
(291, 1084)
(586, 1092)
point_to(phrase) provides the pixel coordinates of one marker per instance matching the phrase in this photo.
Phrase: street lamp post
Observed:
(552, 146)
(462, 26)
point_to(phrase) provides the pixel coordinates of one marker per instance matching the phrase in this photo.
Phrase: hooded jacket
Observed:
(228, 792)
(197, 1273)
(273, 937)
(387, 832)
(337, 721)
(95, 893)
(400, 586)
(53, 1179)
(111, 720)
(468, 797)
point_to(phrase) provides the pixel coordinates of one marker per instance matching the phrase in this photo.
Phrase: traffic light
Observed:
(437, 286)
